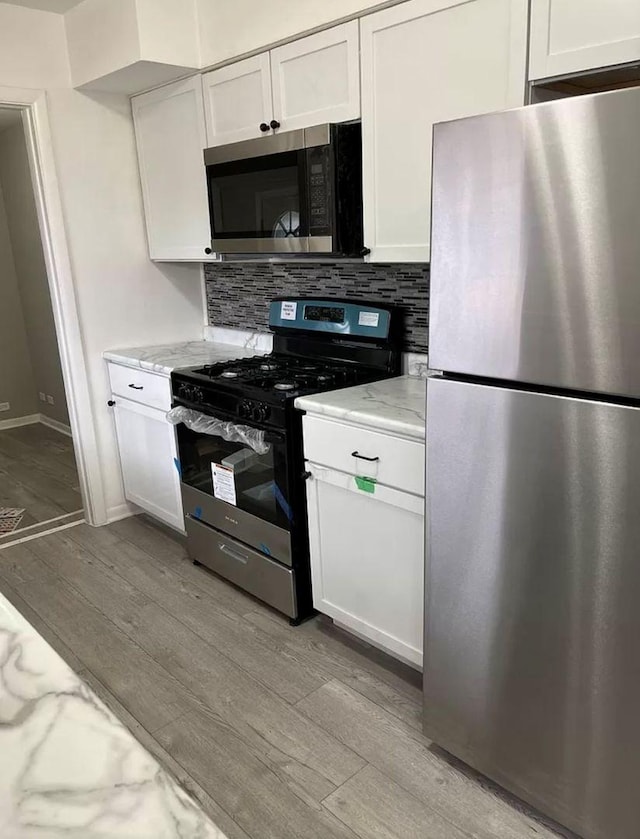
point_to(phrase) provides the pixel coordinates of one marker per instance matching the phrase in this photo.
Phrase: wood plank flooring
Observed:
(38, 474)
(279, 732)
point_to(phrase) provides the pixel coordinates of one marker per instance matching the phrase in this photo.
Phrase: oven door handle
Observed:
(232, 553)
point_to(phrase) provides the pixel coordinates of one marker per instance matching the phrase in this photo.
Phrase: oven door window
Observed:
(236, 474)
(260, 198)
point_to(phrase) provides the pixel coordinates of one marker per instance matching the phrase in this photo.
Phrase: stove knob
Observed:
(183, 391)
(261, 413)
(245, 409)
(197, 394)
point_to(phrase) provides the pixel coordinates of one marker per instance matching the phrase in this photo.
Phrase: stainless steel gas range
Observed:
(240, 441)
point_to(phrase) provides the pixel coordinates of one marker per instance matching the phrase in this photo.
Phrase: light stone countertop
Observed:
(68, 767)
(395, 405)
(165, 358)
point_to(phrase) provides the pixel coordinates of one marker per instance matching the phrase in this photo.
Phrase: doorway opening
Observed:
(39, 481)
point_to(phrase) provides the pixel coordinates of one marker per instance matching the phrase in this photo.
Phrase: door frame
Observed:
(32, 105)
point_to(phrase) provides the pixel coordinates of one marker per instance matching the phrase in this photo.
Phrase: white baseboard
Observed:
(121, 511)
(57, 426)
(32, 419)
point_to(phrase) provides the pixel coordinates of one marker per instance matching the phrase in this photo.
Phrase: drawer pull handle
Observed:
(362, 457)
(137, 387)
(233, 554)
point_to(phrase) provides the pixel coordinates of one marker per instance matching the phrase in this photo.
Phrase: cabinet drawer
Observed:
(399, 463)
(241, 565)
(140, 386)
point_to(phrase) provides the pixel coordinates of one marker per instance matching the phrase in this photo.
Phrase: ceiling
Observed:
(45, 5)
(9, 116)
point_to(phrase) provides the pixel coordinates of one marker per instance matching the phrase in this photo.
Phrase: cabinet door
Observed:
(317, 79)
(426, 61)
(237, 99)
(367, 558)
(568, 36)
(170, 135)
(148, 458)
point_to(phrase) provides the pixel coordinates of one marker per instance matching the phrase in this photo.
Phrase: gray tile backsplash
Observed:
(238, 294)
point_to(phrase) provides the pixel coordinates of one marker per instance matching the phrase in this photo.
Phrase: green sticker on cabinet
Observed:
(366, 484)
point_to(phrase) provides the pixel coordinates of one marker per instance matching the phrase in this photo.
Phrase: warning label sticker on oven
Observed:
(224, 483)
(368, 318)
(288, 310)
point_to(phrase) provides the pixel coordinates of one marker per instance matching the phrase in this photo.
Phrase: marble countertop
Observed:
(68, 767)
(165, 358)
(395, 405)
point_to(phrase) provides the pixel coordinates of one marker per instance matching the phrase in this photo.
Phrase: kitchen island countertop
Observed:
(67, 765)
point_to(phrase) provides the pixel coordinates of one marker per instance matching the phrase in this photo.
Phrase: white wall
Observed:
(229, 28)
(17, 384)
(123, 299)
(33, 284)
(33, 49)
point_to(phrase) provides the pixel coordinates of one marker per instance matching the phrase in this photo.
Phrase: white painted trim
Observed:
(57, 426)
(122, 511)
(43, 533)
(17, 422)
(35, 119)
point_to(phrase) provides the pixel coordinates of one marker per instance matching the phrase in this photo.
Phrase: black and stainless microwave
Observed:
(296, 193)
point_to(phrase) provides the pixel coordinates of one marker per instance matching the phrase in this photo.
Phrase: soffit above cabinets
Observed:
(141, 43)
(59, 6)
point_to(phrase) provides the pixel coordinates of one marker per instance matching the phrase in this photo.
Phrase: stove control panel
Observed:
(191, 393)
(342, 318)
(256, 411)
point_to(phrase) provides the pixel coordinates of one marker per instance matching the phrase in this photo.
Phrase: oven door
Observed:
(229, 486)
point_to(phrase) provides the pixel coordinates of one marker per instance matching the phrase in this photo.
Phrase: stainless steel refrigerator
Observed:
(532, 624)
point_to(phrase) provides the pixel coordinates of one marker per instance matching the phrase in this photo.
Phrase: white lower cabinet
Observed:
(148, 452)
(367, 553)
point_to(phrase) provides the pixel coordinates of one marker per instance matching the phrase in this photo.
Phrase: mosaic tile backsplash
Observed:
(238, 294)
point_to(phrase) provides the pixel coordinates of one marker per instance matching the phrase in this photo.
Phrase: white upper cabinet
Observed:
(170, 134)
(237, 100)
(569, 36)
(426, 61)
(310, 81)
(317, 79)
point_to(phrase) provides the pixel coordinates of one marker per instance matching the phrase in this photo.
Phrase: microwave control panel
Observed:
(319, 169)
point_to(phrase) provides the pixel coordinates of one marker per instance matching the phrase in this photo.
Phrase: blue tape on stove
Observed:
(176, 463)
(283, 503)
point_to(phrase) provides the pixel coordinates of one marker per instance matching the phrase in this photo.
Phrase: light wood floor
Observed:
(38, 474)
(279, 732)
